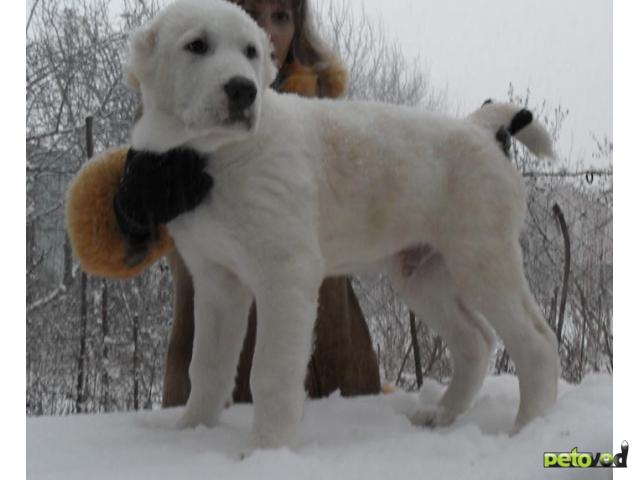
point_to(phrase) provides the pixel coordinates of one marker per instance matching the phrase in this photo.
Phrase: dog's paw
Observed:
(272, 439)
(516, 428)
(191, 419)
(433, 416)
(248, 451)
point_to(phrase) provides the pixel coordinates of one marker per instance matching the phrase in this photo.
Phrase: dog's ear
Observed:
(269, 69)
(142, 46)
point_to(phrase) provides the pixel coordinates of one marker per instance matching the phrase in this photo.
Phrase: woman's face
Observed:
(276, 18)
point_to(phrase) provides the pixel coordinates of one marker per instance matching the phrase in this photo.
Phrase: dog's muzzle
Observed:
(241, 94)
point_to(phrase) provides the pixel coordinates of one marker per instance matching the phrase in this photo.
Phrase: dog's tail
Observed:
(508, 120)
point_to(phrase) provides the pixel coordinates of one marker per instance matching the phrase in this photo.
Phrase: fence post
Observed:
(136, 361)
(83, 295)
(105, 348)
(416, 348)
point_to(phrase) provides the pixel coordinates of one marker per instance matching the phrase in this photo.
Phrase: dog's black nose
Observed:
(241, 92)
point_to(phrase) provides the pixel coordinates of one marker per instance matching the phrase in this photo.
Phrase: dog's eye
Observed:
(197, 47)
(251, 52)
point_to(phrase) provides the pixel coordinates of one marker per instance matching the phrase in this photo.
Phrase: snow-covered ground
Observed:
(340, 438)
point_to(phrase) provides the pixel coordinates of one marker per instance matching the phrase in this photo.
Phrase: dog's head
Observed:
(202, 66)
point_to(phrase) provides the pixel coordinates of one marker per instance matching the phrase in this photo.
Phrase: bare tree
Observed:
(74, 69)
(586, 195)
(378, 68)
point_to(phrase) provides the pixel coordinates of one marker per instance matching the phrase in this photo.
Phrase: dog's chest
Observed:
(257, 208)
(202, 237)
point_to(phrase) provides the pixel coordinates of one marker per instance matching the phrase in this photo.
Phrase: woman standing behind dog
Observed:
(343, 357)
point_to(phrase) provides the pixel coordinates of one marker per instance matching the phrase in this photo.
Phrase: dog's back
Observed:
(388, 174)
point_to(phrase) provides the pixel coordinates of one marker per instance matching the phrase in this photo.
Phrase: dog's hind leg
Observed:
(221, 305)
(428, 290)
(490, 278)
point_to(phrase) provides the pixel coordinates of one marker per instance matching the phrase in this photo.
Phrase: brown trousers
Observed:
(343, 357)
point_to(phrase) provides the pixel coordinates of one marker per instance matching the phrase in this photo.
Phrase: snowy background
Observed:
(73, 70)
(560, 49)
(339, 438)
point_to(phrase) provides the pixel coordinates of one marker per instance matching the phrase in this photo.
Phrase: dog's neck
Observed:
(158, 132)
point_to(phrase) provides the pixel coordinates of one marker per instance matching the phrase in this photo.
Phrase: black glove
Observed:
(154, 189)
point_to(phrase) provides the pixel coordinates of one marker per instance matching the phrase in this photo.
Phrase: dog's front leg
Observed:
(287, 307)
(221, 306)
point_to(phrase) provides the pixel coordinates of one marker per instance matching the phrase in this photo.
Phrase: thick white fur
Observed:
(319, 187)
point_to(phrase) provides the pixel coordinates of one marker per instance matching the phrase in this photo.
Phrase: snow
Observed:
(339, 438)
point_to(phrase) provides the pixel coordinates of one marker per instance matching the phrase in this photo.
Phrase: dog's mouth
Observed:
(235, 121)
(244, 119)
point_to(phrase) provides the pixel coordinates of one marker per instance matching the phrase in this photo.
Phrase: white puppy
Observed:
(310, 188)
